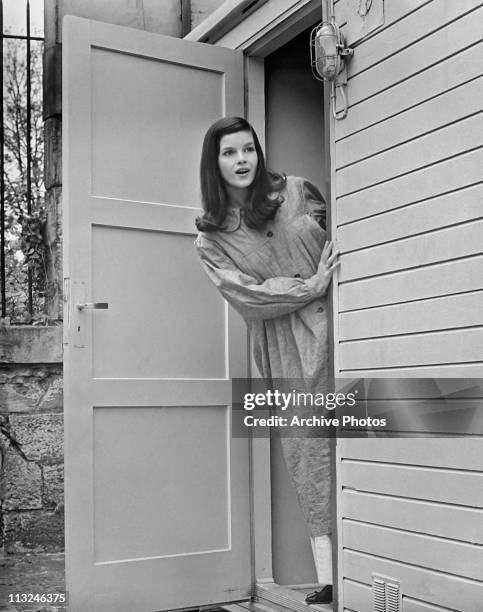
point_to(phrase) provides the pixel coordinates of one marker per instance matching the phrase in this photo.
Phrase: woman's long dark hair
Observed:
(215, 202)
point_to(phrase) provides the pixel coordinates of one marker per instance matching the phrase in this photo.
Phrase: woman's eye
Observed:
(250, 149)
(227, 153)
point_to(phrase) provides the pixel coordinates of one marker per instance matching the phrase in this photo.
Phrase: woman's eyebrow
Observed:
(249, 143)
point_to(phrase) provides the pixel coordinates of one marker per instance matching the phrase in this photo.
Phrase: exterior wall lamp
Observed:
(328, 55)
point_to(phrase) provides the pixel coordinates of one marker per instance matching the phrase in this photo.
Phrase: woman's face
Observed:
(238, 159)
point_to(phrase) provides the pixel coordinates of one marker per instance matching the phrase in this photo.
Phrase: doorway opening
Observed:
(295, 144)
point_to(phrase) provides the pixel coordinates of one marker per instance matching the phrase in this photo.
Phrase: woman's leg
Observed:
(309, 464)
(322, 551)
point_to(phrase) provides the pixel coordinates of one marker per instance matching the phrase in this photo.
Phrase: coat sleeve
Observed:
(314, 203)
(252, 299)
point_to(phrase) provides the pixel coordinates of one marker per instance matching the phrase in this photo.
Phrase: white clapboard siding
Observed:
(451, 277)
(441, 554)
(422, 119)
(438, 519)
(461, 487)
(393, 12)
(406, 167)
(451, 72)
(431, 348)
(440, 313)
(440, 417)
(427, 182)
(454, 370)
(378, 73)
(426, 150)
(413, 605)
(458, 454)
(427, 585)
(442, 245)
(416, 25)
(443, 211)
(440, 388)
(357, 597)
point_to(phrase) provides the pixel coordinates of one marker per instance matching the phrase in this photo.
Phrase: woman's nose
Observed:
(241, 157)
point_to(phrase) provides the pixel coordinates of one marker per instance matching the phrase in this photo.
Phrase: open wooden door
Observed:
(157, 492)
(407, 214)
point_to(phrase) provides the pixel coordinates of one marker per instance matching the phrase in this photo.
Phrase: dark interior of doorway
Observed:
(294, 130)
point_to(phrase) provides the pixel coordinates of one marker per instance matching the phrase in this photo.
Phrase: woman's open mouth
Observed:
(242, 171)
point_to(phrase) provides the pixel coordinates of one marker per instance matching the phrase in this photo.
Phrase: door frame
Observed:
(260, 33)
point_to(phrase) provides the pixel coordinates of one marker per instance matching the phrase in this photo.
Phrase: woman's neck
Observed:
(237, 198)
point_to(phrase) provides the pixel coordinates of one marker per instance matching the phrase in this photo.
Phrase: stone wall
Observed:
(31, 492)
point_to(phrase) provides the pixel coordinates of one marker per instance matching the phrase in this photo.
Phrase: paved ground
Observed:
(45, 574)
(31, 573)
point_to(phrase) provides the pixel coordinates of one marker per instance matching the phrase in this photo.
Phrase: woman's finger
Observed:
(328, 259)
(326, 250)
(333, 257)
(332, 268)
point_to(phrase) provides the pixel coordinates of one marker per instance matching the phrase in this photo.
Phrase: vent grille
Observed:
(393, 598)
(386, 594)
(379, 593)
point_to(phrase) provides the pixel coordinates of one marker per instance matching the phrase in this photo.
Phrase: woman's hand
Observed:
(328, 263)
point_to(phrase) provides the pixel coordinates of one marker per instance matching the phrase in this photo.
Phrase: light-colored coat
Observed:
(265, 274)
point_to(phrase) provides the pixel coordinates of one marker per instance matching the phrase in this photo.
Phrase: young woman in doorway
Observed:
(262, 242)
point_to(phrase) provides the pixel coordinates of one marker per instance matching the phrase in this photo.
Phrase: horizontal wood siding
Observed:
(463, 310)
(459, 276)
(428, 182)
(457, 454)
(420, 88)
(440, 554)
(401, 50)
(417, 122)
(437, 213)
(408, 206)
(357, 597)
(437, 519)
(409, 192)
(461, 487)
(429, 586)
(408, 157)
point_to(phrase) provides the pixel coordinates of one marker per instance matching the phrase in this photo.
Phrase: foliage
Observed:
(25, 245)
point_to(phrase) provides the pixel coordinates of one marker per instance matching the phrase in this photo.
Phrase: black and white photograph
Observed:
(241, 288)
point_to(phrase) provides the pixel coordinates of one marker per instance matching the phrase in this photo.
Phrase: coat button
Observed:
(320, 309)
(269, 234)
(296, 275)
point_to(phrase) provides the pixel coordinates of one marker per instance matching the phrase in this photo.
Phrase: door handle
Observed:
(93, 305)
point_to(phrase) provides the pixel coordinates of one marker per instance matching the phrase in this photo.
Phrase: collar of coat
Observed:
(232, 219)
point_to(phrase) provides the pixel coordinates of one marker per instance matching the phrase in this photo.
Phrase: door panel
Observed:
(197, 452)
(140, 263)
(124, 125)
(157, 492)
